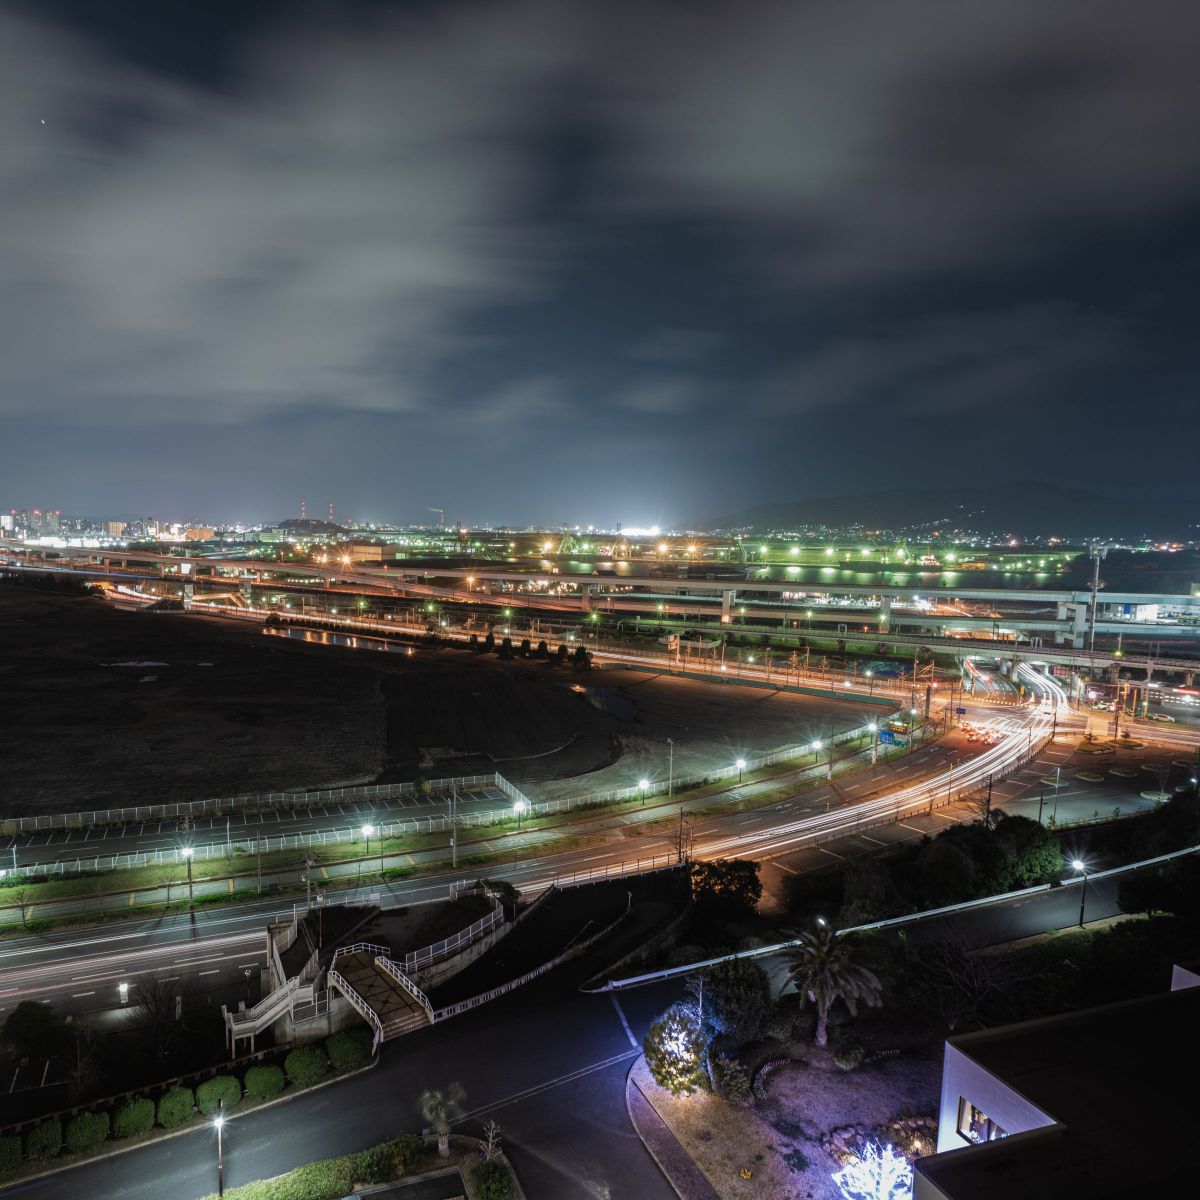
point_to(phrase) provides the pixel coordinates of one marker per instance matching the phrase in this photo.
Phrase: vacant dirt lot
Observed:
(102, 707)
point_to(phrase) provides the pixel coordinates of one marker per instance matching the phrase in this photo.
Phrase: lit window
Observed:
(975, 1126)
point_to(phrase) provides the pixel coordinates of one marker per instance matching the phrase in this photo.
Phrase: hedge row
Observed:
(335, 1177)
(87, 1131)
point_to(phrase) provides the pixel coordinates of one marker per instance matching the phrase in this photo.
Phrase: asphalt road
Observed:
(547, 1063)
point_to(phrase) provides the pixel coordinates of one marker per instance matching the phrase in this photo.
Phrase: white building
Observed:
(1098, 1103)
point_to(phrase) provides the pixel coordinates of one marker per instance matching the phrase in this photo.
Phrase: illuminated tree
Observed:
(674, 1050)
(879, 1173)
(822, 969)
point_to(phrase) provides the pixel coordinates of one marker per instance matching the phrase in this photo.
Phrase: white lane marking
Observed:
(624, 1020)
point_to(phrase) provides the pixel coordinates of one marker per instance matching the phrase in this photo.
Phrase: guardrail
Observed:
(363, 1008)
(461, 1006)
(409, 826)
(251, 802)
(371, 948)
(405, 983)
(415, 960)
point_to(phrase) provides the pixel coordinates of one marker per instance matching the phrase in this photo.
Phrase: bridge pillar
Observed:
(1114, 672)
(189, 591)
(246, 587)
(1189, 679)
(727, 598)
(585, 596)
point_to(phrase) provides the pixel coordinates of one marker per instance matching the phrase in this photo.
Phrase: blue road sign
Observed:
(887, 737)
(962, 712)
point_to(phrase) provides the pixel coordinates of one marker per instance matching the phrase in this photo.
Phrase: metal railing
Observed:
(363, 1008)
(405, 983)
(372, 948)
(415, 960)
(251, 802)
(412, 826)
(461, 1006)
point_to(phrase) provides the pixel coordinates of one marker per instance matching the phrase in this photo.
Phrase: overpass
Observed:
(1019, 620)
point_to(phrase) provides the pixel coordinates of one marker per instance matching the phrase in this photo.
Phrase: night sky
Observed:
(592, 262)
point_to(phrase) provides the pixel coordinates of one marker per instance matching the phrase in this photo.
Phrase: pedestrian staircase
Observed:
(386, 998)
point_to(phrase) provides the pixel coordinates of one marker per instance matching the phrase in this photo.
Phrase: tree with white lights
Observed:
(674, 1050)
(878, 1173)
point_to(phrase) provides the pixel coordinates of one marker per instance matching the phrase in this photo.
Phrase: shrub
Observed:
(87, 1131)
(264, 1083)
(306, 1065)
(847, 1051)
(212, 1092)
(493, 1181)
(674, 1049)
(347, 1049)
(134, 1117)
(10, 1154)
(44, 1140)
(175, 1107)
(730, 1079)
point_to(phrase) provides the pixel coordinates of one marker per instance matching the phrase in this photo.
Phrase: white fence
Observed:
(252, 802)
(461, 1006)
(415, 960)
(406, 984)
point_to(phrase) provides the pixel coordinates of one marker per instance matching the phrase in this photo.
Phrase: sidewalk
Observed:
(673, 1160)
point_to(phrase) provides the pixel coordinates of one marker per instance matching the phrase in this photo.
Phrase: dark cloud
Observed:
(489, 231)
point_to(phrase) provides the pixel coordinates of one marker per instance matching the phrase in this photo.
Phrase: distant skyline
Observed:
(560, 261)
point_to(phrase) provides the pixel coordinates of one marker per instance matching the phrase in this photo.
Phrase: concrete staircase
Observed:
(362, 977)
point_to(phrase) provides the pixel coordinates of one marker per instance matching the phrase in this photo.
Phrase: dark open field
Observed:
(213, 708)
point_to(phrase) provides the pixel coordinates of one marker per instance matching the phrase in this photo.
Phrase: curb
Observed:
(166, 1135)
(695, 1188)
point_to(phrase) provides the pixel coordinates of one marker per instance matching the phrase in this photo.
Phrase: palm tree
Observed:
(439, 1106)
(822, 969)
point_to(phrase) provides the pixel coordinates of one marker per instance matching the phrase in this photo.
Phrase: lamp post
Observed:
(643, 787)
(367, 830)
(1081, 867)
(741, 766)
(519, 807)
(873, 730)
(187, 853)
(219, 1123)
(670, 767)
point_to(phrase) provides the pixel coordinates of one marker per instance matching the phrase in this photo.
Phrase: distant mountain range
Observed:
(1026, 509)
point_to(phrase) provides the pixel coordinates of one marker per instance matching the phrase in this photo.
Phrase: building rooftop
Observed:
(1121, 1083)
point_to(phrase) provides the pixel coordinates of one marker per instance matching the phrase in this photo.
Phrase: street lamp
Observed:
(741, 766)
(643, 787)
(367, 830)
(1080, 866)
(872, 728)
(219, 1124)
(519, 807)
(187, 853)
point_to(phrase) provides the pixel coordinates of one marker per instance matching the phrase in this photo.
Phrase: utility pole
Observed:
(1098, 552)
(454, 826)
(670, 768)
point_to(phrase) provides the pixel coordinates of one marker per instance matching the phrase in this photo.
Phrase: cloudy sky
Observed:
(548, 260)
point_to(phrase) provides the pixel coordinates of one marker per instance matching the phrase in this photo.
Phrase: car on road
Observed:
(1166, 718)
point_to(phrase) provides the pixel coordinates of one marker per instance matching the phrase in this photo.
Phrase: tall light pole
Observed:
(873, 729)
(643, 787)
(741, 766)
(670, 767)
(1098, 552)
(187, 853)
(1081, 867)
(369, 829)
(519, 807)
(219, 1123)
